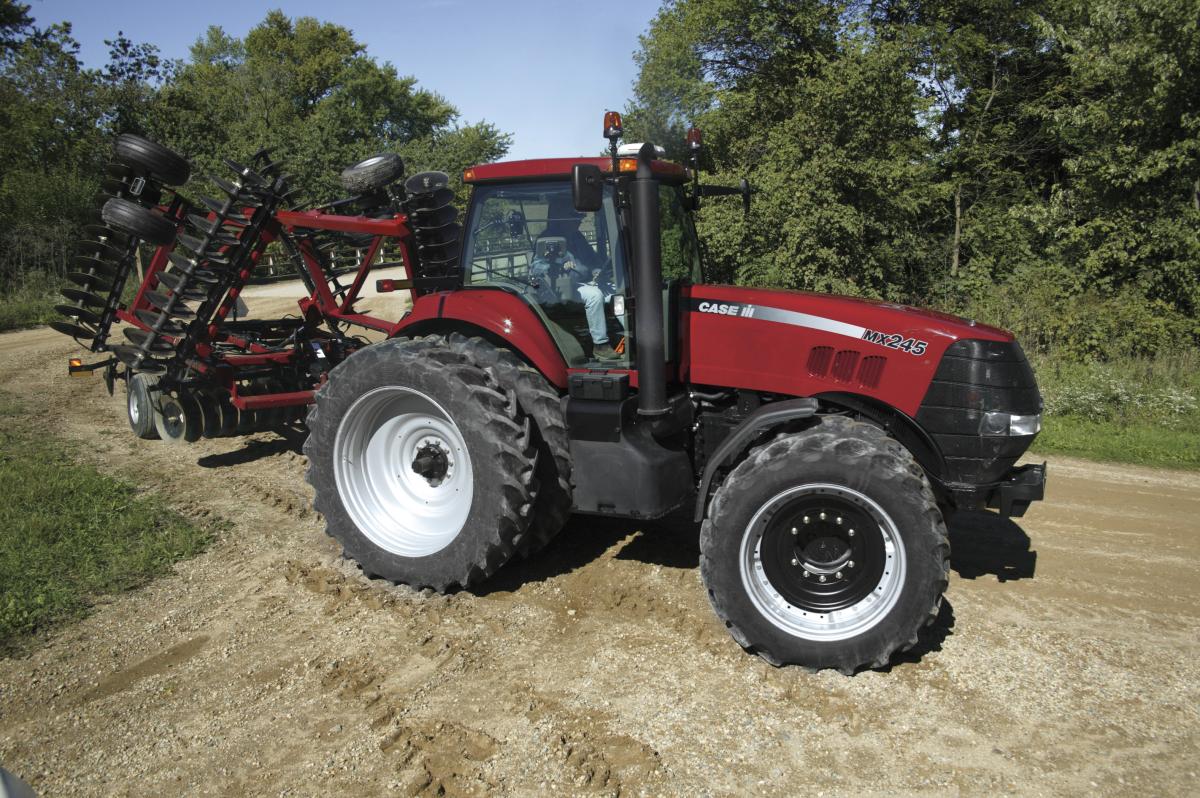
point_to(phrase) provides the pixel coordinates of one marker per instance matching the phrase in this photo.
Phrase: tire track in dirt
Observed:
(1064, 660)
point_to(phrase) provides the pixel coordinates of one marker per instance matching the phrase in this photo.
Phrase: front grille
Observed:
(975, 377)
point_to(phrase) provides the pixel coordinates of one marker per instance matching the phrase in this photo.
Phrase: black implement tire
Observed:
(543, 404)
(378, 171)
(421, 463)
(789, 573)
(140, 407)
(129, 217)
(168, 167)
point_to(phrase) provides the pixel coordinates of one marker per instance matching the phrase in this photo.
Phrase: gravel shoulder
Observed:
(1063, 662)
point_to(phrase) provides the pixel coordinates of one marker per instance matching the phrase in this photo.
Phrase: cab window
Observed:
(567, 264)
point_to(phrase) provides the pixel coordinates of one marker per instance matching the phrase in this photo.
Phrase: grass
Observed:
(1140, 411)
(29, 305)
(69, 534)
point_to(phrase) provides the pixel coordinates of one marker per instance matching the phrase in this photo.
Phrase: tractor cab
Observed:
(524, 234)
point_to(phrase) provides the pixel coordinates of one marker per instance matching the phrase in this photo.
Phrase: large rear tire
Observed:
(826, 548)
(422, 464)
(543, 404)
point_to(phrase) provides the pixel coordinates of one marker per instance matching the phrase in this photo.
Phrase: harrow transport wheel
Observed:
(143, 223)
(169, 167)
(140, 406)
(544, 406)
(826, 548)
(422, 464)
(178, 419)
(378, 171)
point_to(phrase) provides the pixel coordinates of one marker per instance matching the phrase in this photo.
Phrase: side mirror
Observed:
(587, 187)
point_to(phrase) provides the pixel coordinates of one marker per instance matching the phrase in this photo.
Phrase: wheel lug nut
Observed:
(850, 564)
(806, 573)
(822, 516)
(795, 561)
(838, 520)
(821, 577)
(806, 519)
(795, 531)
(850, 532)
(838, 575)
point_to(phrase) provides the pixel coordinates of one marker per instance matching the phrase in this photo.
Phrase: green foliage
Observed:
(1132, 410)
(1033, 164)
(69, 533)
(305, 88)
(309, 92)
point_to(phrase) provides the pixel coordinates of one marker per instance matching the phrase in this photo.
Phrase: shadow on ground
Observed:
(289, 440)
(983, 543)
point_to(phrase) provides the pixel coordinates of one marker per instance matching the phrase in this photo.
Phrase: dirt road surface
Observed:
(1064, 662)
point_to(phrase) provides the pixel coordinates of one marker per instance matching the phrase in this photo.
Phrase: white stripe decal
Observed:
(779, 315)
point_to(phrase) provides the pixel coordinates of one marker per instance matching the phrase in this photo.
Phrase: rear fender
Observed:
(492, 313)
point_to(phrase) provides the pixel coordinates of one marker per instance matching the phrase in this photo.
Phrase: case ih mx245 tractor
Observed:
(563, 355)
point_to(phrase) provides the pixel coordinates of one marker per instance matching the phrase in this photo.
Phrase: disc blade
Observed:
(90, 281)
(100, 231)
(426, 182)
(160, 322)
(191, 242)
(148, 341)
(99, 249)
(86, 263)
(179, 283)
(84, 297)
(169, 305)
(76, 312)
(76, 331)
(216, 206)
(137, 360)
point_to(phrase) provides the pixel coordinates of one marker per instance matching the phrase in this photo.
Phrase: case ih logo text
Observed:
(745, 311)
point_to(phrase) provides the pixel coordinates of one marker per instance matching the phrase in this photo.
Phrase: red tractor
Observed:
(563, 355)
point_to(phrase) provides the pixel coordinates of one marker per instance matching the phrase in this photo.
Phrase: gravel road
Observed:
(1064, 661)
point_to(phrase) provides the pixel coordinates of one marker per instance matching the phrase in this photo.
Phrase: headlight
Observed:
(1000, 423)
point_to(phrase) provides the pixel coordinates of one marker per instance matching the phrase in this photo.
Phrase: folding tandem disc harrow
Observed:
(190, 369)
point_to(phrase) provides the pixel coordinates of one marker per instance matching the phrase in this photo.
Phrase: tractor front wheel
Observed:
(422, 464)
(826, 548)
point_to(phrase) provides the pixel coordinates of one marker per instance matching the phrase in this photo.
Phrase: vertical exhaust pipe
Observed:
(648, 301)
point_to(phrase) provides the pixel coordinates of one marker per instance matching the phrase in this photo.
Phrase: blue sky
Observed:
(543, 71)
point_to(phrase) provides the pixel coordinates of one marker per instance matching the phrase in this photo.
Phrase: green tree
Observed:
(308, 90)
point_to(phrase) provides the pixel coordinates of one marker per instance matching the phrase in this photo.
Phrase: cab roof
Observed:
(560, 168)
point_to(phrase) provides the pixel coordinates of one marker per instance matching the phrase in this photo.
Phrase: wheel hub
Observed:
(433, 461)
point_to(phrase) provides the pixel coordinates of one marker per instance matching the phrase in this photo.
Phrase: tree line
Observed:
(1034, 163)
(304, 88)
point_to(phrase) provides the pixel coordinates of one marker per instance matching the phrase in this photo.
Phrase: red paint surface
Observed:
(559, 167)
(498, 312)
(738, 352)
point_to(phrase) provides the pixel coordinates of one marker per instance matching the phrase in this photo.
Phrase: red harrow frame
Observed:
(216, 375)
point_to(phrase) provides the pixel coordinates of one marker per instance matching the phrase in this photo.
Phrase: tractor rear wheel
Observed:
(422, 464)
(826, 548)
(543, 404)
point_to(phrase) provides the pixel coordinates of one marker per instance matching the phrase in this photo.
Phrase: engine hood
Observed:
(871, 314)
(807, 344)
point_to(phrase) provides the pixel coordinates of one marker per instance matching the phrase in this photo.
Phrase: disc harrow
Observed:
(187, 360)
(106, 255)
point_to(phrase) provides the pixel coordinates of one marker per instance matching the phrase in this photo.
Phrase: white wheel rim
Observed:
(135, 412)
(376, 448)
(808, 624)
